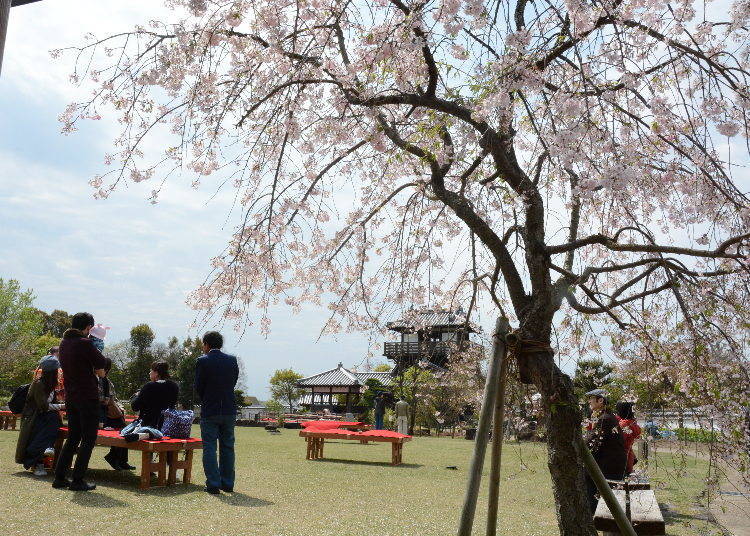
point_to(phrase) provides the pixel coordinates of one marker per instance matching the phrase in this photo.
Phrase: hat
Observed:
(598, 393)
(49, 363)
(99, 331)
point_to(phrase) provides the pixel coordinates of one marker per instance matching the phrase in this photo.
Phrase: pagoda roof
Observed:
(431, 318)
(342, 376)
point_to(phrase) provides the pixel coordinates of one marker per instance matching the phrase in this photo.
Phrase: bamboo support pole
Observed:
(466, 521)
(613, 504)
(4, 16)
(497, 447)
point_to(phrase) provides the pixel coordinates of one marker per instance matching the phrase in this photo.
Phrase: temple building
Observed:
(338, 390)
(427, 337)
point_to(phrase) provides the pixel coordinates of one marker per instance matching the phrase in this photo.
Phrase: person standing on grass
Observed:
(402, 416)
(379, 410)
(82, 365)
(604, 439)
(216, 375)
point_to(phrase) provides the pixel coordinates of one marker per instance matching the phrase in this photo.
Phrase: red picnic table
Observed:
(167, 452)
(315, 439)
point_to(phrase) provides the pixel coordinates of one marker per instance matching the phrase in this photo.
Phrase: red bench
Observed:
(315, 440)
(8, 420)
(167, 452)
(335, 425)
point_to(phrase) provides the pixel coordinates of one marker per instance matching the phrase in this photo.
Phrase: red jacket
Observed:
(630, 432)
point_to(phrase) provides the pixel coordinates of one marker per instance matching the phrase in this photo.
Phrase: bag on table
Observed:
(177, 423)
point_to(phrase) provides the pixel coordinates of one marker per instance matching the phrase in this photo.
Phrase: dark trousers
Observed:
(592, 491)
(218, 428)
(83, 423)
(46, 428)
(116, 454)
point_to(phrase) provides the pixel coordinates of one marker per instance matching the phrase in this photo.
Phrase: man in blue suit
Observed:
(216, 375)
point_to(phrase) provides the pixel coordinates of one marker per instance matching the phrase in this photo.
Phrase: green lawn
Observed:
(354, 491)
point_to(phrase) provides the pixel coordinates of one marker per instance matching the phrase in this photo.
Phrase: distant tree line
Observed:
(26, 333)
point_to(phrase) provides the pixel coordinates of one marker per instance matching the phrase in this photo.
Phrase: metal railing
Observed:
(415, 349)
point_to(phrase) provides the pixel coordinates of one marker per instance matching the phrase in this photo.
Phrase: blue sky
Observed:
(122, 259)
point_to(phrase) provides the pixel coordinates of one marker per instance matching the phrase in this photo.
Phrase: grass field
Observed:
(354, 491)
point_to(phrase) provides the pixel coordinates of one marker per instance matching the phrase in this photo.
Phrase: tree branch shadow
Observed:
(370, 463)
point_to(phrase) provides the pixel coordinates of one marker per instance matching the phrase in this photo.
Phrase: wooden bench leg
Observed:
(149, 466)
(172, 462)
(161, 466)
(308, 442)
(187, 472)
(145, 469)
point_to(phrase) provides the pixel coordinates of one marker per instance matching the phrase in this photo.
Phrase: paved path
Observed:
(730, 505)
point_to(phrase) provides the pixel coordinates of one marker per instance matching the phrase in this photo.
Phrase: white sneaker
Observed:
(40, 470)
(49, 452)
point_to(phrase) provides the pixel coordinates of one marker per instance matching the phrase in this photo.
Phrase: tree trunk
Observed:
(564, 459)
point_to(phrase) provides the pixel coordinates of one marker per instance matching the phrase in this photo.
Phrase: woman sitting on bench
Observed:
(40, 419)
(155, 396)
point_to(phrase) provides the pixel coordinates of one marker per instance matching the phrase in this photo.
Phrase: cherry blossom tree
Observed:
(569, 164)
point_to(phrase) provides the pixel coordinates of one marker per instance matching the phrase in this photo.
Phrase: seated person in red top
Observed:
(155, 396)
(630, 431)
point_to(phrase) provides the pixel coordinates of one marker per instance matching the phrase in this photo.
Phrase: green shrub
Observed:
(696, 435)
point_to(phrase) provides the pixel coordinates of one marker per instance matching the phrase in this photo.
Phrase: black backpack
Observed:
(18, 400)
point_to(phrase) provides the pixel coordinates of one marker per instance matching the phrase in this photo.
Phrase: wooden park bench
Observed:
(315, 439)
(8, 420)
(166, 451)
(640, 505)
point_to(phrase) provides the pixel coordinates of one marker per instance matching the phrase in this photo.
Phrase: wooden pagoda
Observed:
(428, 337)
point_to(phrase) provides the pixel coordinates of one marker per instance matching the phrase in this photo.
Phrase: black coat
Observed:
(152, 399)
(607, 444)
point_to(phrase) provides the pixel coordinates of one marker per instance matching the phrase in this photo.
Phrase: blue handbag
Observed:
(177, 423)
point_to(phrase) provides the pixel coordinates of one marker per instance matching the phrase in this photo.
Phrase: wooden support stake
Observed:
(626, 529)
(466, 521)
(497, 447)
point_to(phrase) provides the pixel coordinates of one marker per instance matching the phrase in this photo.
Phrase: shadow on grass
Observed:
(95, 499)
(122, 480)
(241, 499)
(373, 464)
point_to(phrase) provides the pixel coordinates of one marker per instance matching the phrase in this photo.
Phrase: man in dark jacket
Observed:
(605, 441)
(216, 375)
(81, 364)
